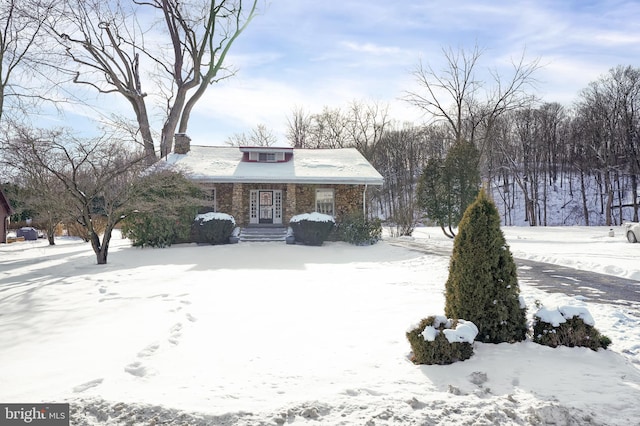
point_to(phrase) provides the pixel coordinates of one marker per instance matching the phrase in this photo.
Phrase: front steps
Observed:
(263, 234)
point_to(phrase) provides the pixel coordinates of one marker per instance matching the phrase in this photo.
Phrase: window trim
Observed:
(212, 197)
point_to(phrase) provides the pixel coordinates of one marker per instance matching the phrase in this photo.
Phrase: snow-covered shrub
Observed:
(567, 326)
(357, 229)
(311, 229)
(439, 340)
(212, 228)
(483, 285)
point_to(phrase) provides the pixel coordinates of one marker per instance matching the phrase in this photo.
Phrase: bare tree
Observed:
(21, 31)
(360, 125)
(400, 157)
(367, 122)
(40, 190)
(329, 129)
(96, 175)
(298, 127)
(258, 136)
(112, 47)
(470, 108)
(608, 107)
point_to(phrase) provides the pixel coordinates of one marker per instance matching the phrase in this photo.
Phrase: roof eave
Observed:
(302, 181)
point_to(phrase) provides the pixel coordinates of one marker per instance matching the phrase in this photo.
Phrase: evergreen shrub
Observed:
(311, 229)
(152, 230)
(482, 286)
(567, 326)
(212, 228)
(358, 230)
(438, 340)
(164, 205)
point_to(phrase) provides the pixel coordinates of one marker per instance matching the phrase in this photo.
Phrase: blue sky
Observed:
(315, 53)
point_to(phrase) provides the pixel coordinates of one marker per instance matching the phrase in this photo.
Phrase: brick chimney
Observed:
(182, 143)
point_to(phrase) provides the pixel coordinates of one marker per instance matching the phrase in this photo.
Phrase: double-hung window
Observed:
(325, 201)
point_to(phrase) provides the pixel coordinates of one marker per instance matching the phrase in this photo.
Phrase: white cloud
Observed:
(316, 54)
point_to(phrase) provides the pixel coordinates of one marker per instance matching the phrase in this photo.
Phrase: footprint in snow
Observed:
(149, 350)
(176, 332)
(136, 369)
(88, 385)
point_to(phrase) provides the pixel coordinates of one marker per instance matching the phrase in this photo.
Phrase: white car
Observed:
(633, 231)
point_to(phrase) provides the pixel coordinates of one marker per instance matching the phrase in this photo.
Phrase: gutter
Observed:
(364, 202)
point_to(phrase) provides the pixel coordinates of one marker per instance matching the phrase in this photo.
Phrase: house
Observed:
(5, 212)
(266, 186)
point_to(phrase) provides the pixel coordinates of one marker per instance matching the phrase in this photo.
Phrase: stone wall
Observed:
(347, 198)
(233, 199)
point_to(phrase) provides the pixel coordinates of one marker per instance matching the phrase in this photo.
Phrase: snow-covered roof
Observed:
(310, 166)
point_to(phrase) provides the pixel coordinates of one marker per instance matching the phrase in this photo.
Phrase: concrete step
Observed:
(263, 234)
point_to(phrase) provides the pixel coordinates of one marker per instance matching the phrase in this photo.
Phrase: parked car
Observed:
(633, 231)
(29, 233)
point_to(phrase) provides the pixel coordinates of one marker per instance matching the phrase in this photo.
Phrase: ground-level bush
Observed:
(212, 228)
(155, 230)
(162, 211)
(567, 326)
(311, 229)
(439, 340)
(357, 229)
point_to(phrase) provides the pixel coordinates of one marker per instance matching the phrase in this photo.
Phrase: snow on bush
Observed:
(312, 217)
(466, 331)
(212, 228)
(312, 228)
(206, 217)
(440, 340)
(567, 326)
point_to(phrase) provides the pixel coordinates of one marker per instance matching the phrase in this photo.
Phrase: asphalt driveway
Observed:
(590, 286)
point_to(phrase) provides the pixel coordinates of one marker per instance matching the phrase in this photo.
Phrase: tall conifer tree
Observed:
(483, 285)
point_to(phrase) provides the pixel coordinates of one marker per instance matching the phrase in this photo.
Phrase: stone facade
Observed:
(347, 198)
(233, 198)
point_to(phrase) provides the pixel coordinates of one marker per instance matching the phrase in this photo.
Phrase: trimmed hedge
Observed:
(212, 228)
(438, 340)
(567, 326)
(311, 229)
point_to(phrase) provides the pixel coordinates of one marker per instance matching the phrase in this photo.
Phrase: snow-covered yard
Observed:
(268, 333)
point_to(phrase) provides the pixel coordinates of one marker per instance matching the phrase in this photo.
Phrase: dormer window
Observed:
(266, 154)
(266, 157)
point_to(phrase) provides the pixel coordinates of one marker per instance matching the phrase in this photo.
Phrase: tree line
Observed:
(500, 137)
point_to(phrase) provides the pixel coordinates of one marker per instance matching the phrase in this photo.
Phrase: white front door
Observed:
(265, 206)
(265, 211)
